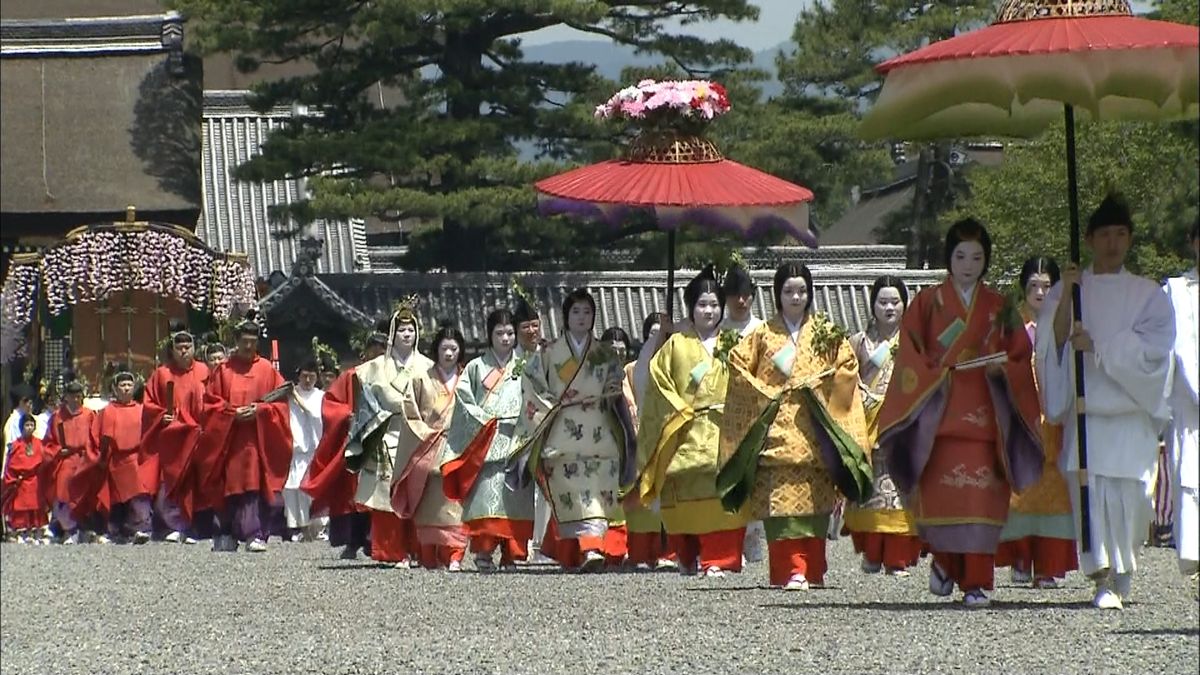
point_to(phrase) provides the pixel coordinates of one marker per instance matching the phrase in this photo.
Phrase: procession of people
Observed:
(947, 428)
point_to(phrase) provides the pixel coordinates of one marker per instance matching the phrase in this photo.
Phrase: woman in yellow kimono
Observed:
(577, 432)
(679, 433)
(647, 550)
(417, 490)
(882, 531)
(791, 410)
(1038, 541)
(375, 432)
(961, 421)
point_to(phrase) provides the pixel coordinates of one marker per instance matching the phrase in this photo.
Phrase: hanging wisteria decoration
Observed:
(94, 264)
(17, 299)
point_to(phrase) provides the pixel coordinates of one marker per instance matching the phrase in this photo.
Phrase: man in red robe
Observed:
(67, 439)
(247, 444)
(172, 409)
(328, 482)
(107, 480)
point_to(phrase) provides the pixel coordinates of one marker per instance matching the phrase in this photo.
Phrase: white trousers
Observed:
(1187, 528)
(1121, 510)
(296, 507)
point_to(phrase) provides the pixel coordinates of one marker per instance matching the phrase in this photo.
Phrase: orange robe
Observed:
(960, 440)
(168, 450)
(72, 431)
(243, 456)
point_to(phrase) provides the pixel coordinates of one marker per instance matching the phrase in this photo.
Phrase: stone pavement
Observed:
(167, 608)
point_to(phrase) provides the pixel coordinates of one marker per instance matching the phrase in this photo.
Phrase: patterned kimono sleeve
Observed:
(537, 397)
(465, 402)
(745, 395)
(841, 394)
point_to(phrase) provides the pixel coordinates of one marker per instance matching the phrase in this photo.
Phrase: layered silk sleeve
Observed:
(663, 415)
(746, 396)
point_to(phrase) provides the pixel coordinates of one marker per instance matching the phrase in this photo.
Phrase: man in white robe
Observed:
(1184, 435)
(307, 427)
(1127, 334)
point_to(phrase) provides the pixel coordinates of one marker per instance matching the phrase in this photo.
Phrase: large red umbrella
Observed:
(680, 180)
(1040, 61)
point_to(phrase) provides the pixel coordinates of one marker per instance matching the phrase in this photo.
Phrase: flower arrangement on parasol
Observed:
(669, 105)
(671, 172)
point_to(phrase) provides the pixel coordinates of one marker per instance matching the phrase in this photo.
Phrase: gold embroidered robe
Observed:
(792, 480)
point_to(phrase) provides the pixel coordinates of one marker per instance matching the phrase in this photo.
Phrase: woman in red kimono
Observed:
(961, 420)
(22, 504)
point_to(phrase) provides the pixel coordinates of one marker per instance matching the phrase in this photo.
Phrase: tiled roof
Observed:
(99, 114)
(303, 277)
(235, 216)
(623, 298)
(92, 35)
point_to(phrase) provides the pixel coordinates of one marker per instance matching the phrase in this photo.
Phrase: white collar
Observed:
(793, 328)
(578, 347)
(966, 295)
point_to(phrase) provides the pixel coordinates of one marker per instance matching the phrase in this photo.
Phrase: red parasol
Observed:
(1041, 59)
(680, 180)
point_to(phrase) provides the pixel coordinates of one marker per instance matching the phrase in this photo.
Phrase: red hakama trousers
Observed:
(893, 551)
(971, 571)
(1044, 557)
(721, 549)
(392, 539)
(789, 557)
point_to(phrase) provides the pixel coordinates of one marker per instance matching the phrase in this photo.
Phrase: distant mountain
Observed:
(610, 58)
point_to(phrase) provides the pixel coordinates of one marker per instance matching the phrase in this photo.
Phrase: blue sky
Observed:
(775, 21)
(774, 25)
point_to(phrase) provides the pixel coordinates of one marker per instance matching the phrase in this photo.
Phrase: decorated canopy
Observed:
(1013, 77)
(97, 261)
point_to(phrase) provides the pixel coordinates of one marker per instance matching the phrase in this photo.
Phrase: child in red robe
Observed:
(23, 507)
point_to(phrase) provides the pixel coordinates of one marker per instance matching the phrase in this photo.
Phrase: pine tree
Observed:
(448, 152)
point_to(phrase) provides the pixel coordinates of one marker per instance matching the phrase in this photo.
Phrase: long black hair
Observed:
(648, 323)
(969, 229)
(791, 270)
(888, 281)
(576, 296)
(617, 334)
(705, 282)
(449, 332)
(499, 317)
(1038, 265)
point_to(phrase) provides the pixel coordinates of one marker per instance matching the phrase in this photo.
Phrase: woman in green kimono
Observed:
(485, 417)
(679, 433)
(576, 430)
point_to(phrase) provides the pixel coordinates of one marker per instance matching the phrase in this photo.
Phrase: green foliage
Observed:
(830, 79)
(1179, 11)
(1023, 201)
(467, 96)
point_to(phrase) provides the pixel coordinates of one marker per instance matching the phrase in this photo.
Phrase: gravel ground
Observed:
(166, 608)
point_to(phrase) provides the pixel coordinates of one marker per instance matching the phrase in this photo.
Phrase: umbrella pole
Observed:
(671, 275)
(1085, 522)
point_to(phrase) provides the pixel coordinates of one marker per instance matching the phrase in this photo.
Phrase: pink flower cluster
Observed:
(693, 99)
